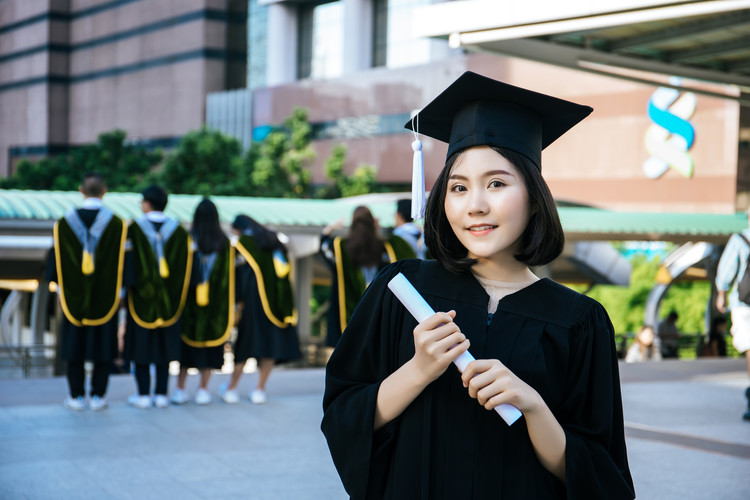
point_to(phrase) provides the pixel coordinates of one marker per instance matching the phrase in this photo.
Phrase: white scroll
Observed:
(421, 310)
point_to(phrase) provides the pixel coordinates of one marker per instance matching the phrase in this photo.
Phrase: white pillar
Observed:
(282, 44)
(358, 21)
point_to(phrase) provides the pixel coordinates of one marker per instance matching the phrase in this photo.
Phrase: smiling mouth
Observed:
(481, 228)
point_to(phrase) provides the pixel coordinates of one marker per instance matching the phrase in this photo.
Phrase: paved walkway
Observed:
(685, 439)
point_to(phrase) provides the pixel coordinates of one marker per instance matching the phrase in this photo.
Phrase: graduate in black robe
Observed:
(208, 317)
(158, 267)
(354, 261)
(267, 325)
(399, 418)
(87, 265)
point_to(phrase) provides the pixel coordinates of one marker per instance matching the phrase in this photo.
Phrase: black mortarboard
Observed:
(476, 111)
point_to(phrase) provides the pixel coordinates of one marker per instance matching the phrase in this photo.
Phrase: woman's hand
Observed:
(491, 383)
(437, 342)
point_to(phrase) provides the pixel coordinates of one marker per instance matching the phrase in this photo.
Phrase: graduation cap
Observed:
(479, 111)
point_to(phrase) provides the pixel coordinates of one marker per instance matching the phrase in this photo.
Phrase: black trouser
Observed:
(77, 376)
(143, 379)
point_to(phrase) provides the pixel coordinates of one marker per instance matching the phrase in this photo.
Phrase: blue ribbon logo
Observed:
(671, 135)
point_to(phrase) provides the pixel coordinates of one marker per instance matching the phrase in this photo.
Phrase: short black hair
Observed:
(93, 184)
(541, 242)
(156, 196)
(403, 208)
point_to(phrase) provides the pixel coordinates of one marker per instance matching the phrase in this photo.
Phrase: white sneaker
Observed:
(142, 402)
(203, 397)
(258, 397)
(179, 397)
(97, 403)
(77, 404)
(229, 396)
(161, 401)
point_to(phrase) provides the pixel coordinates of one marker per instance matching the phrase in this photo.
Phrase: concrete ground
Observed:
(686, 439)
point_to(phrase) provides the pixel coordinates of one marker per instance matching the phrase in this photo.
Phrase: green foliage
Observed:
(626, 306)
(205, 162)
(362, 181)
(125, 167)
(278, 166)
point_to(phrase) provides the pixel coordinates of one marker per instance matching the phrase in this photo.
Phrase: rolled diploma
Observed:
(421, 310)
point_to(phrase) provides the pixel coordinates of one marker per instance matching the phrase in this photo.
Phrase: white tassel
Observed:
(417, 182)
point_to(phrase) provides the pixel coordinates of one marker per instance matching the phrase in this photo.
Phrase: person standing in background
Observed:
(87, 265)
(354, 261)
(158, 267)
(643, 347)
(669, 336)
(266, 329)
(208, 317)
(732, 267)
(407, 230)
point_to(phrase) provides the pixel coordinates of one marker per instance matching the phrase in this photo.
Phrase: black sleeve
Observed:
(364, 356)
(50, 268)
(596, 464)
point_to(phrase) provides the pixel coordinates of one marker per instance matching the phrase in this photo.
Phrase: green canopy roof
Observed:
(578, 222)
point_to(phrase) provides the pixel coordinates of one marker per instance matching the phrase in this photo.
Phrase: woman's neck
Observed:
(506, 271)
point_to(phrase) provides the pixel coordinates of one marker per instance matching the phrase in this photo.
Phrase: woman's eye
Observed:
(496, 184)
(458, 188)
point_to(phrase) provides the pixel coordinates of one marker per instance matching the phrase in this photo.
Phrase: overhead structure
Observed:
(639, 40)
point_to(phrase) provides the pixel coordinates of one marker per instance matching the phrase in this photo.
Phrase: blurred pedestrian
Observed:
(732, 267)
(158, 267)
(208, 318)
(643, 347)
(87, 265)
(354, 261)
(716, 344)
(266, 328)
(669, 336)
(406, 230)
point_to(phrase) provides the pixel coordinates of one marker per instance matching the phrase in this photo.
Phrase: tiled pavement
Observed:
(685, 439)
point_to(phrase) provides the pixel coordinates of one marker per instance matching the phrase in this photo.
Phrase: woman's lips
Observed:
(481, 229)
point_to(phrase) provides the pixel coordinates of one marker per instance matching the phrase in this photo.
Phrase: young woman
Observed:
(354, 261)
(265, 303)
(643, 347)
(208, 317)
(400, 420)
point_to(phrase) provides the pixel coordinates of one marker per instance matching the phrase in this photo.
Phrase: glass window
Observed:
(321, 40)
(393, 44)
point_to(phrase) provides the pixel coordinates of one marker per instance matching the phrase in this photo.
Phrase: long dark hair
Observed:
(206, 229)
(266, 239)
(541, 242)
(363, 244)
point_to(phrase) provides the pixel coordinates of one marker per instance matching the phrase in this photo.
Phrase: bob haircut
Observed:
(541, 242)
(206, 228)
(263, 237)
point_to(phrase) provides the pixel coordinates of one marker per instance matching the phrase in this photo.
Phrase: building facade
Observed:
(72, 69)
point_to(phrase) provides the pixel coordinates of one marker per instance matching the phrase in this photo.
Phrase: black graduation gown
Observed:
(148, 345)
(445, 445)
(257, 337)
(84, 343)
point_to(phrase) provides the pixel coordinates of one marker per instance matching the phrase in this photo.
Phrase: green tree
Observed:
(626, 306)
(205, 162)
(125, 167)
(278, 166)
(362, 181)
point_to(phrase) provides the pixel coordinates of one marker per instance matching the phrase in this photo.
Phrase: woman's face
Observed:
(487, 204)
(646, 336)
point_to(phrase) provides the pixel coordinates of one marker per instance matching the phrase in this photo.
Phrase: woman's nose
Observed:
(478, 203)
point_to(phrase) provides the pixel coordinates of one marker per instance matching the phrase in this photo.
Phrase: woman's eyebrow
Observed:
(485, 174)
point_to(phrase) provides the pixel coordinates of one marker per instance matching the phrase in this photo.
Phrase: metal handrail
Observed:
(25, 360)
